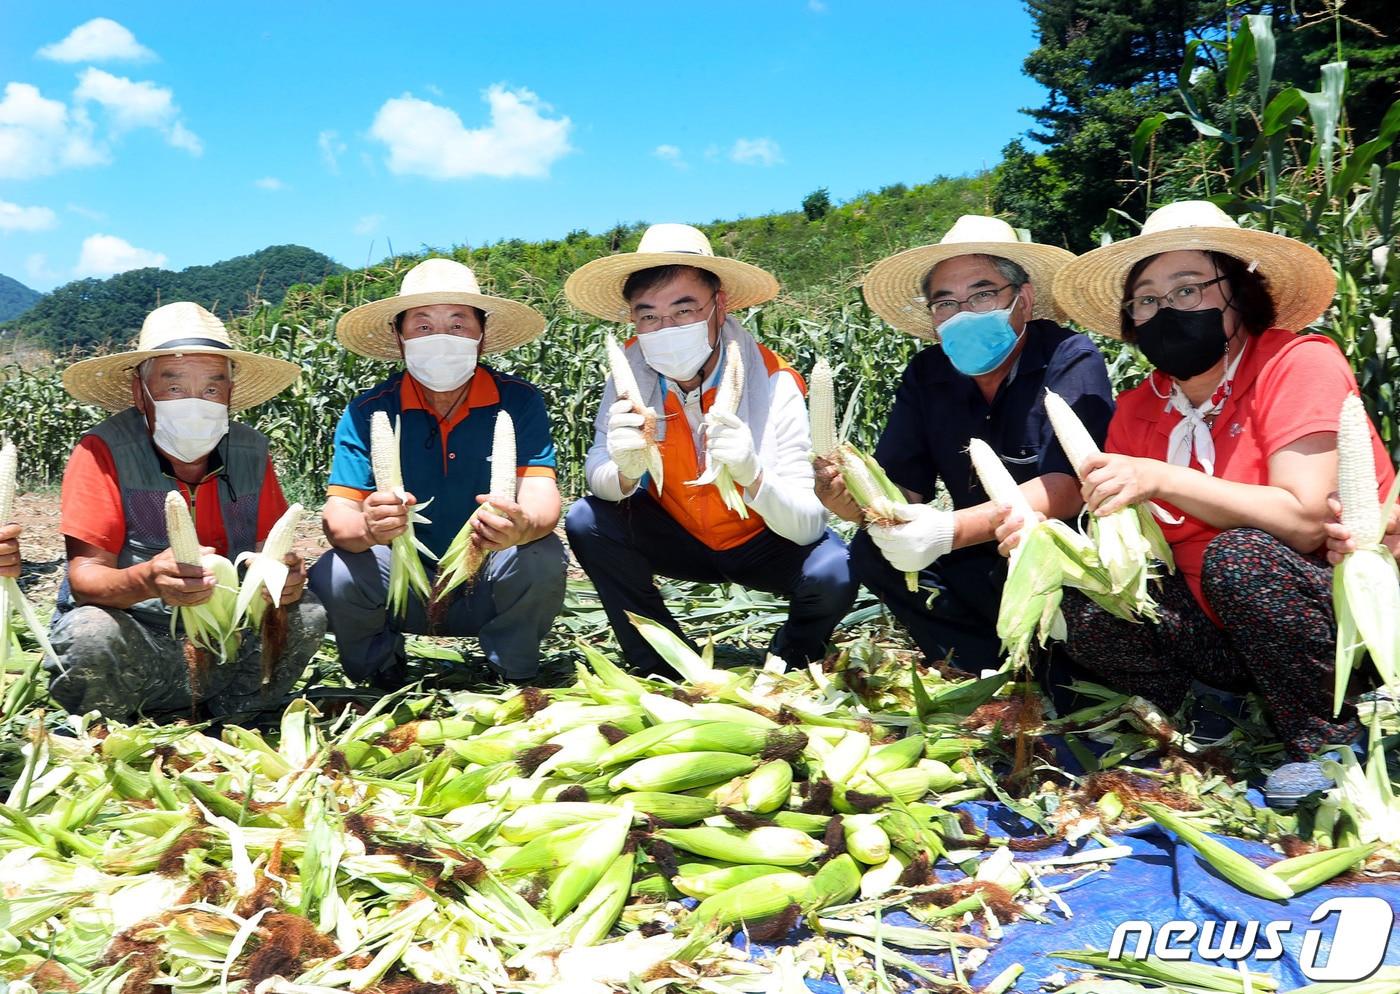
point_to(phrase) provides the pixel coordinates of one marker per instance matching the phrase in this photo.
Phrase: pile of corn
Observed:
(579, 839)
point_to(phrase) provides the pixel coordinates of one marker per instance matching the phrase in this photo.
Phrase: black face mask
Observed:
(1183, 344)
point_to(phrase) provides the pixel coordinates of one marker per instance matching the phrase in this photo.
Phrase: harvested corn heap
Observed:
(478, 843)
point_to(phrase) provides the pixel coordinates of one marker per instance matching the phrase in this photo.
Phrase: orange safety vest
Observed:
(699, 510)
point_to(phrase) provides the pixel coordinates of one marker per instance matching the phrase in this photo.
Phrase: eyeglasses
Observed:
(1186, 297)
(980, 302)
(689, 314)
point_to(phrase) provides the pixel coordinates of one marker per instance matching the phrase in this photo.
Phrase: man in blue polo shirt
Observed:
(984, 296)
(446, 407)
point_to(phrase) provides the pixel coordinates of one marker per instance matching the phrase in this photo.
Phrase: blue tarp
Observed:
(1163, 881)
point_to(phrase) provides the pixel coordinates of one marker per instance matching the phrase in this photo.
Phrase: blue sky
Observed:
(181, 134)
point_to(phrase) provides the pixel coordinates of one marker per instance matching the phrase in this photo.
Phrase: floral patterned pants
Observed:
(1278, 638)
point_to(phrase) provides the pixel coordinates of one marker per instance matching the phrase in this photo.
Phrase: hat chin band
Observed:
(186, 343)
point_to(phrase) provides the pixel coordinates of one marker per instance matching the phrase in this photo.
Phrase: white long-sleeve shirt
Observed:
(785, 496)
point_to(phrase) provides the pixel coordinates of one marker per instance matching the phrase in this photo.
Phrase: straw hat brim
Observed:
(1091, 288)
(894, 286)
(596, 287)
(368, 330)
(105, 381)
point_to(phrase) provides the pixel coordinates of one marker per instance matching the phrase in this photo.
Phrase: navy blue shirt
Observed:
(938, 410)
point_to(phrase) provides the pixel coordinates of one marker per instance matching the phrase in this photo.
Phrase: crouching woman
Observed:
(1234, 437)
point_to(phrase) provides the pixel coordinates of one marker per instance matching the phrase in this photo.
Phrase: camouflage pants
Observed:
(111, 662)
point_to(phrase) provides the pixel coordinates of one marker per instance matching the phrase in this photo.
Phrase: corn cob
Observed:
(865, 839)
(267, 569)
(464, 558)
(821, 410)
(12, 599)
(598, 848)
(209, 626)
(835, 883)
(406, 570)
(731, 389)
(531, 822)
(765, 789)
(1129, 539)
(883, 878)
(674, 809)
(1366, 583)
(681, 771)
(769, 844)
(1303, 873)
(753, 901)
(703, 880)
(594, 918)
(1233, 866)
(625, 385)
(740, 738)
(640, 743)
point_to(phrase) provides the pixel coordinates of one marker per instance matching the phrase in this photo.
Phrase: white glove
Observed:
(730, 443)
(626, 443)
(924, 534)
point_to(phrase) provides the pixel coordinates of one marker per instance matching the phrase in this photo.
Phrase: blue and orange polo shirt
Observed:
(446, 460)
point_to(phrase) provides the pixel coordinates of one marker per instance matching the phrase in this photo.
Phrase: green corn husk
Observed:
(873, 491)
(753, 901)
(1238, 869)
(681, 771)
(1194, 975)
(835, 883)
(703, 881)
(540, 819)
(593, 919)
(865, 839)
(597, 850)
(674, 809)
(1303, 873)
(897, 755)
(772, 844)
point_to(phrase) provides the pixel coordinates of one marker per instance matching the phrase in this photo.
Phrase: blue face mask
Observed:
(978, 343)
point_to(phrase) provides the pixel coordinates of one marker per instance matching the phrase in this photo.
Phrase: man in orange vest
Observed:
(679, 296)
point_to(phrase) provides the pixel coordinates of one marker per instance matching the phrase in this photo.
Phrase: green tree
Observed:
(817, 204)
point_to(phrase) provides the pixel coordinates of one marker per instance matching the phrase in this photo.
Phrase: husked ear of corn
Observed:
(406, 570)
(821, 410)
(1366, 583)
(625, 385)
(266, 569)
(463, 558)
(1049, 555)
(1128, 540)
(12, 599)
(731, 388)
(210, 626)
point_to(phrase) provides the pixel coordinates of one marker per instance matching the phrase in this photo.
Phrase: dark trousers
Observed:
(1278, 638)
(961, 619)
(624, 545)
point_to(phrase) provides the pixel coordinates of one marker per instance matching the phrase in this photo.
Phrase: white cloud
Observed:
(756, 152)
(136, 105)
(87, 212)
(816, 6)
(425, 139)
(13, 217)
(368, 224)
(671, 154)
(107, 255)
(37, 271)
(39, 136)
(99, 39)
(332, 148)
(270, 183)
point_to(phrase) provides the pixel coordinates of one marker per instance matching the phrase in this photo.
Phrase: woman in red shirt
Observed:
(1234, 437)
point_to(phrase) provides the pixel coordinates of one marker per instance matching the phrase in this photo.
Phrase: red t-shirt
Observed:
(1287, 386)
(90, 506)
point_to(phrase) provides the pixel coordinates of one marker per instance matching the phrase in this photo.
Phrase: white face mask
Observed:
(188, 429)
(441, 362)
(680, 351)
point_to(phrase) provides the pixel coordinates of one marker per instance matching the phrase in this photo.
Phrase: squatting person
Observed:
(445, 404)
(170, 431)
(681, 298)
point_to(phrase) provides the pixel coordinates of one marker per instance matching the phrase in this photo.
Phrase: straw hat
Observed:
(596, 287)
(182, 328)
(894, 286)
(368, 330)
(1301, 281)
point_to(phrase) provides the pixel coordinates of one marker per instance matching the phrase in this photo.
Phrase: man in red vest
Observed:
(680, 297)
